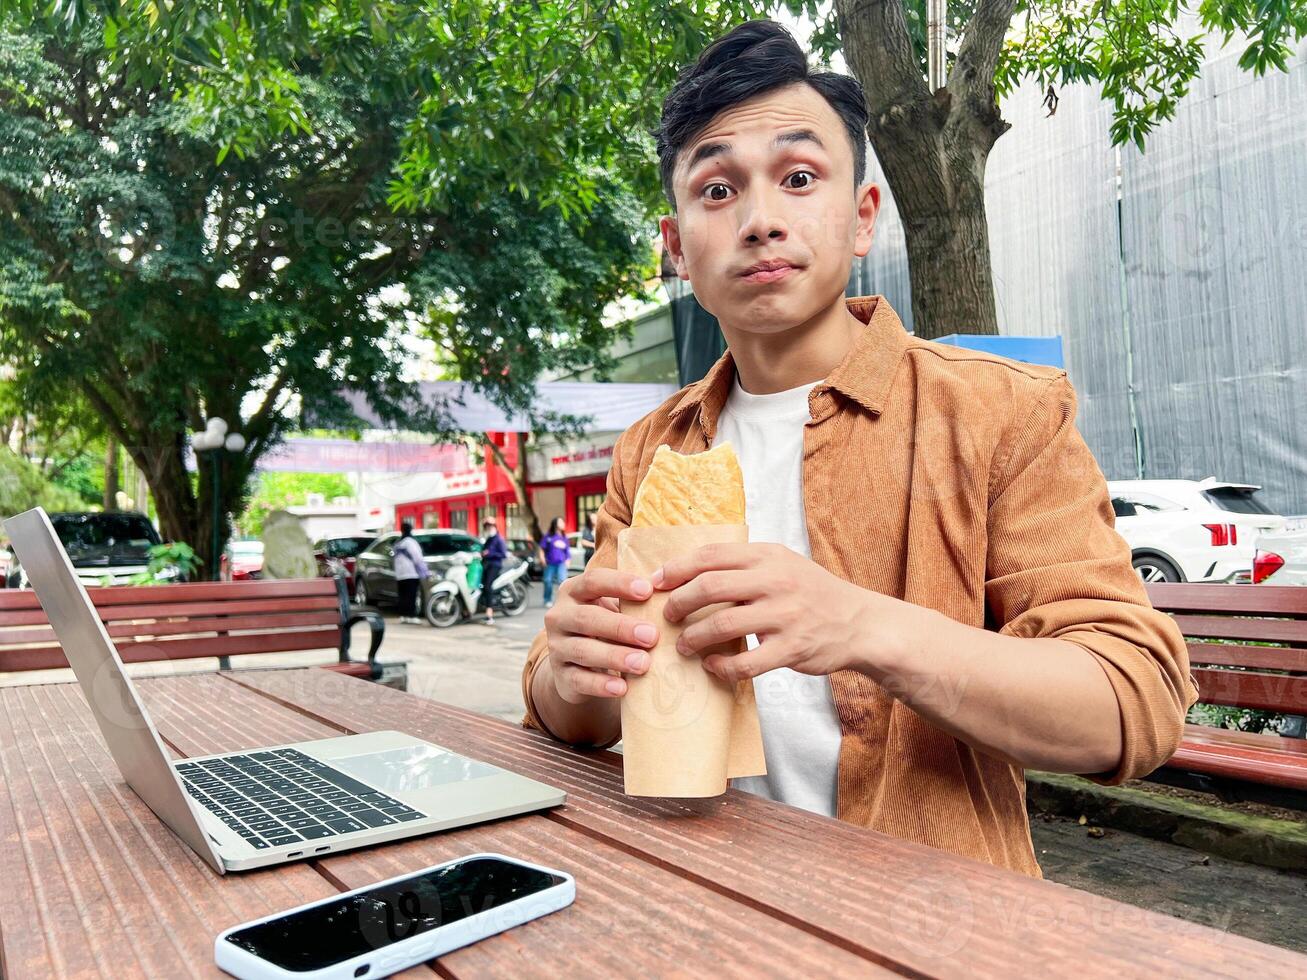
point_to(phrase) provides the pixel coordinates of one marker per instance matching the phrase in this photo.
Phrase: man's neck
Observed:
(807, 352)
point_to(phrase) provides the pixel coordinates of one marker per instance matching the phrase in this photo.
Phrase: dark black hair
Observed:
(405, 528)
(754, 58)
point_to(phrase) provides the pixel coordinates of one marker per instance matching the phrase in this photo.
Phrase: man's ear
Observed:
(868, 202)
(672, 243)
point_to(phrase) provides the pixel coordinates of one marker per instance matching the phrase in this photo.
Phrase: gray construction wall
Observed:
(1186, 280)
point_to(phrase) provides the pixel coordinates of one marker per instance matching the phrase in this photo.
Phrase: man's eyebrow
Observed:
(798, 136)
(709, 150)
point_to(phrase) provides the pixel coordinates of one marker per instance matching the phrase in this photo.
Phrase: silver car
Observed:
(1281, 557)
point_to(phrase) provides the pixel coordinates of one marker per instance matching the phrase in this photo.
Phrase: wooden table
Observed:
(91, 884)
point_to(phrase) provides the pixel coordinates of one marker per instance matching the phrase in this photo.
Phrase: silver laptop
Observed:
(243, 810)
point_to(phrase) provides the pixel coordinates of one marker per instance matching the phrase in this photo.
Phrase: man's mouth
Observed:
(769, 271)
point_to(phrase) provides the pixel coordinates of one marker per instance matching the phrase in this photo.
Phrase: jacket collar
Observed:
(864, 376)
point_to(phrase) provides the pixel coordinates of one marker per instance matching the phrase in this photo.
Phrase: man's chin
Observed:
(772, 309)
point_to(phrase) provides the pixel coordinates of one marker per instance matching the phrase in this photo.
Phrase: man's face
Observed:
(769, 181)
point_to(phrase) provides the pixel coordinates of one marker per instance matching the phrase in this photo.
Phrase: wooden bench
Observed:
(1224, 626)
(202, 619)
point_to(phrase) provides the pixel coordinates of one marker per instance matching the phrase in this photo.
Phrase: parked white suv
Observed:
(1191, 530)
(1282, 555)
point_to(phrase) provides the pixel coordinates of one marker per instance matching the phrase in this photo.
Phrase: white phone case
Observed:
(398, 956)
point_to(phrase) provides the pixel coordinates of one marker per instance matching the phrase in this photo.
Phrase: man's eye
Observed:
(711, 187)
(802, 173)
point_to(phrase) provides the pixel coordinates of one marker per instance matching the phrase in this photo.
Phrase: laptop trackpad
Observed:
(415, 767)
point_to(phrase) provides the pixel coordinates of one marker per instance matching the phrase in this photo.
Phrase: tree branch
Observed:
(972, 77)
(260, 423)
(879, 49)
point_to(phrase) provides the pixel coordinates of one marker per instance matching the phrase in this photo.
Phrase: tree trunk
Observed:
(111, 474)
(933, 147)
(188, 517)
(945, 228)
(519, 478)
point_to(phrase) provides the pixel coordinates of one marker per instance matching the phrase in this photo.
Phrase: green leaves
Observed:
(1144, 53)
(547, 83)
(250, 241)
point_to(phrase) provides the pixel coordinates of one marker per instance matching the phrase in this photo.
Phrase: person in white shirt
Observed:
(410, 570)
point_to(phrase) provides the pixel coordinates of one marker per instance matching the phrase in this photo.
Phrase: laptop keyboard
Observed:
(283, 796)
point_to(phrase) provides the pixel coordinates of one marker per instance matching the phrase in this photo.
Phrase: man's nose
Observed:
(763, 220)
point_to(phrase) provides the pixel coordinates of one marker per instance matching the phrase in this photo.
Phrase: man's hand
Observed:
(589, 639)
(805, 618)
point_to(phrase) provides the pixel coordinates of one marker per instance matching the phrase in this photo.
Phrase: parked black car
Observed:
(104, 546)
(527, 551)
(341, 552)
(374, 569)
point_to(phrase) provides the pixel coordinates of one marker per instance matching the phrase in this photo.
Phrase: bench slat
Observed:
(1230, 628)
(1268, 765)
(155, 611)
(1252, 689)
(36, 617)
(14, 600)
(119, 595)
(1239, 600)
(172, 627)
(1206, 734)
(46, 657)
(1235, 655)
(128, 595)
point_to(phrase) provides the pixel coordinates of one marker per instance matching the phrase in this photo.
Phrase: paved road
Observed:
(471, 665)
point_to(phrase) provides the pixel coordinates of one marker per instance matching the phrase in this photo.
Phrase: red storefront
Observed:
(470, 496)
(567, 481)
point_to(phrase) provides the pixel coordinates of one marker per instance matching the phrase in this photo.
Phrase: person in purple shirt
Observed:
(554, 554)
(493, 552)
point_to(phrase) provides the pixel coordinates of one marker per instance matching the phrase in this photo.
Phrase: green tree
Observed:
(169, 267)
(58, 433)
(535, 90)
(23, 486)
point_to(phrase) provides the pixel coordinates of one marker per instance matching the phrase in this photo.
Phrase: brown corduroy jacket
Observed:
(954, 480)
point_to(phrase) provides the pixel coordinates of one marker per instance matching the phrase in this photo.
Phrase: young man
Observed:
(932, 571)
(493, 552)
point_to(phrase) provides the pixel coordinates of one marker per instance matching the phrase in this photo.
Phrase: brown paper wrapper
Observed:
(685, 732)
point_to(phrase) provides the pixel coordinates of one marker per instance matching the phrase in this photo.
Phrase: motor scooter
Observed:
(451, 599)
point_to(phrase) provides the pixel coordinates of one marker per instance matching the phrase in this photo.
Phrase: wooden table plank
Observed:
(629, 918)
(93, 883)
(911, 907)
(201, 714)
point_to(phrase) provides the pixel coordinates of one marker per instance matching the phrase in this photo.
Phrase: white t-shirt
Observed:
(800, 729)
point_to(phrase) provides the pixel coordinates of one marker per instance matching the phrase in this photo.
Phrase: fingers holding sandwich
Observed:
(591, 643)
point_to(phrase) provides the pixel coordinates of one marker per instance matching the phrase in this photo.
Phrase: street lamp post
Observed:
(215, 438)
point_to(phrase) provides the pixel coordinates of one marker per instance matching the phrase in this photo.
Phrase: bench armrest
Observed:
(348, 617)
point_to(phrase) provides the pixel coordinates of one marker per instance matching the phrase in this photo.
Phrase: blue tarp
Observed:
(1031, 350)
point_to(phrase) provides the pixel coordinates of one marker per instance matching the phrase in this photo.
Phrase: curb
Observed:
(1263, 841)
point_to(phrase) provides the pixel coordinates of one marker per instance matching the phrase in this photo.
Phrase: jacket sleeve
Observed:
(419, 560)
(1056, 567)
(613, 515)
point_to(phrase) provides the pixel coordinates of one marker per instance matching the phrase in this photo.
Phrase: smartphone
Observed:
(387, 927)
